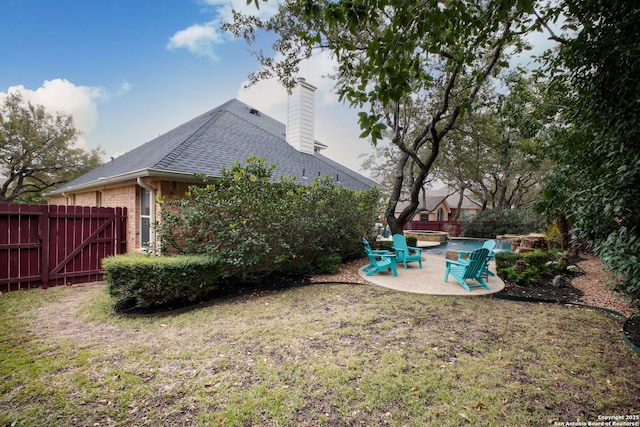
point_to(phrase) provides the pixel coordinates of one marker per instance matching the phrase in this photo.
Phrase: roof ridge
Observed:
(184, 145)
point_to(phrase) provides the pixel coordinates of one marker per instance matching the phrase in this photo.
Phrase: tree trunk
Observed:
(456, 217)
(565, 237)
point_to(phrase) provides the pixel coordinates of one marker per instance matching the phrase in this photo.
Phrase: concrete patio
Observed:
(429, 279)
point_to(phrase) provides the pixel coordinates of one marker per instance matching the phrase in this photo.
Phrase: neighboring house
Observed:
(166, 166)
(441, 205)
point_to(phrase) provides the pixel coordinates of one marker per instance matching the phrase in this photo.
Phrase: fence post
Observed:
(44, 245)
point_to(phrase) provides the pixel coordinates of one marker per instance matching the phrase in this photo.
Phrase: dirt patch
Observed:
(69, 324)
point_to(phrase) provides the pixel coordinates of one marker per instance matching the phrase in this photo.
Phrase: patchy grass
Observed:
(314, 355)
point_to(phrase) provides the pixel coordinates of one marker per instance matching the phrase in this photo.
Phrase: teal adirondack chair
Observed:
(404, 253)
(490, 245)
(380, 262)
(469, 269)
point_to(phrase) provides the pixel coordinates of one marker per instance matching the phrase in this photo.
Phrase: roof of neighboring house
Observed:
(228, 133)
(452, 198)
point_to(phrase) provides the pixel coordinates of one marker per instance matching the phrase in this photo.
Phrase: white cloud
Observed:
(271, 97)
(201, 39)
(198, 39)
(60, 95)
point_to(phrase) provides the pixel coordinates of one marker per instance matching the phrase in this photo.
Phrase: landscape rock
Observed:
(574, 269)
(560, 281)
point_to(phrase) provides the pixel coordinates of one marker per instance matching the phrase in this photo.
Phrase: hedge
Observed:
(157, 280)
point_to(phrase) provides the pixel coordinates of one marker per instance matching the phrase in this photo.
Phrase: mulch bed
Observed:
(543, 290)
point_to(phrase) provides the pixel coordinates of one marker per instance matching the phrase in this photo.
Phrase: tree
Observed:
(500, 152)
(596, 77)
(37, 152)
(395, 56)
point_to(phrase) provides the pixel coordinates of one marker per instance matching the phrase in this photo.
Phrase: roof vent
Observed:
(254, 112)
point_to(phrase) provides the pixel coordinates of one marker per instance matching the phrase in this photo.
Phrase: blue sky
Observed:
(130, 70)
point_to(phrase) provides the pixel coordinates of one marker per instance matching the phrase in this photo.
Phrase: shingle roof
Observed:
(226, 134)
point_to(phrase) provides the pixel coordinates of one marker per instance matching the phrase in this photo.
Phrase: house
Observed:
(441, 205)
(166, 166)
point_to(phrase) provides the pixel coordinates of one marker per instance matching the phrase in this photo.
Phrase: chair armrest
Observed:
(412, 248)
(459, 262)
(381, 251)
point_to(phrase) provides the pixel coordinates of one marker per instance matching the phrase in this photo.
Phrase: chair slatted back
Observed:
(477, 260)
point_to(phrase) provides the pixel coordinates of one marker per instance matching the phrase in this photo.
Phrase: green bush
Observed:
(521, 278)
(384, 245)
(491, 223)
(506, 259)
(536, 262)
(538, 258)
(157, 280)
(257, 227)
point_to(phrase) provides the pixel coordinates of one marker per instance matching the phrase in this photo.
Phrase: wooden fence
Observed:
(452, 227)
(48, 245)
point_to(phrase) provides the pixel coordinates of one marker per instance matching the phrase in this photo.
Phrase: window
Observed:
(145, 218)
(424, 216)
(440, 214)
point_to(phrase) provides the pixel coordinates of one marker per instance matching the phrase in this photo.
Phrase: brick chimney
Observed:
(300, 117)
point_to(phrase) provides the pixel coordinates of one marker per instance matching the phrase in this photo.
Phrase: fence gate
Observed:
(48, 245)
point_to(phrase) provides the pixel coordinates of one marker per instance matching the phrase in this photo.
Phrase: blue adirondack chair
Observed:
(404, 253)
(469, 269)
(489, 244)
(380, 262)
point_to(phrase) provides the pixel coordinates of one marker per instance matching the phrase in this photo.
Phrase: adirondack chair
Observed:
(404, 253)
(489, 244)
(380, 262)
(470, 269)
(367, 248)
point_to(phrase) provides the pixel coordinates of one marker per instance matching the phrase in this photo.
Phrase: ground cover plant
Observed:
(339, 354)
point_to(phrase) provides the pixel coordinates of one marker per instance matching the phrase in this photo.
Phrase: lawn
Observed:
(311, 355)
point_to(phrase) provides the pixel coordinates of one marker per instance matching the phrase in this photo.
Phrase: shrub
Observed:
(491, 223)
(257, 227)
(412, 241)
(529, 274)
(383, 245)
(506, 259)
(527, 267)
(157, 280)
(538, 258)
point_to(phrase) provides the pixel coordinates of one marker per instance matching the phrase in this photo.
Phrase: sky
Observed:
(131, 70)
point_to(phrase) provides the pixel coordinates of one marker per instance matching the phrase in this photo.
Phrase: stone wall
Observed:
(526, 242)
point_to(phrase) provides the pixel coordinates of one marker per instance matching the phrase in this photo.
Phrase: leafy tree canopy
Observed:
(37, 152)
(595, 79)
